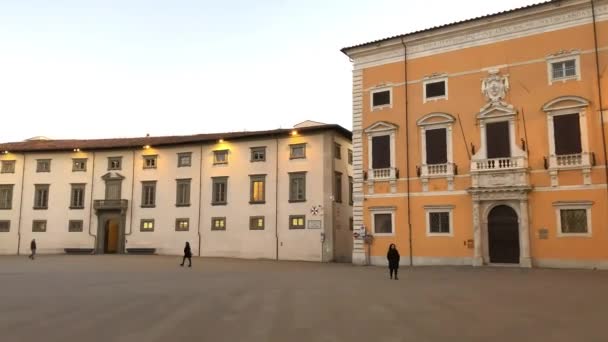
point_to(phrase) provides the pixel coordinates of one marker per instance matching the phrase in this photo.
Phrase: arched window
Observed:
(436, 147)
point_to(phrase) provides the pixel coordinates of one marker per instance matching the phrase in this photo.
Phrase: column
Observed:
(524, 235)
(477, 257)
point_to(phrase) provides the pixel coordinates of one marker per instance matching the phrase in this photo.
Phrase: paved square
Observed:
(151, 298)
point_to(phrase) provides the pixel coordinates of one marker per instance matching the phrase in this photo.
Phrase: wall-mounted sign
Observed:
(314, 224)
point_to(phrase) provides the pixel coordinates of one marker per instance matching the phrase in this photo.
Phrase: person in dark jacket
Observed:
(393, 260)
(33, 248)
(187, 255)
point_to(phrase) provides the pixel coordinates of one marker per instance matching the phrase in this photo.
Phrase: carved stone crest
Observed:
(495, 87)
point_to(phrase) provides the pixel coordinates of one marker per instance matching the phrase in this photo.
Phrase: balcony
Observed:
(120, 204)
(437, 170)
(500, 172)
(571, 161)
(383, 174)
(499, 164)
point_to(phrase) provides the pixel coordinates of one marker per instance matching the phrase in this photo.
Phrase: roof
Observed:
(121, 143)
(345, 50)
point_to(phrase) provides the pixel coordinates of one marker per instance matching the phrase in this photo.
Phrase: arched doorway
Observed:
(111, 236)
(503, 235)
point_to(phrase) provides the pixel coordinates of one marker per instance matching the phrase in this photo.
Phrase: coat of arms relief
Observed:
(494, 88)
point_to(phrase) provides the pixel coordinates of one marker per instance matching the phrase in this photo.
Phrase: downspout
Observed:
(276, 197)
(91, 204)
(200, 196)
(21, 204)
(407, 154)
(132, 191)
(599, 89)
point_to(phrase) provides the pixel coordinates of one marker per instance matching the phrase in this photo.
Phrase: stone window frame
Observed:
(150, 161)
(217, 153)
(144, 185)
(380, 89)
(258, 149)
(10, 189)
(253, 220)
(350, 157)
(337, 187)
(337, 151)
(37, 199)
(292, 147)
(219, 180)
(8, 166)
(252, 180)
(377, 129)
(43, 165)
(184, 163)
(36, 226)
(563, 56)
(563, 205)
(3, 224)
(214, 223)
(293, 199)
(434, 79)
(439, 209)
(297, 217)
(178, 183)
(373, 211)
(178, 224)
(75, 226)
(73, 187)
(437, 120)
(144, 222)
(79, 164)
(114, 159)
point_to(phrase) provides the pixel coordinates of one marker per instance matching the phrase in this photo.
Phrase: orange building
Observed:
(484, 141)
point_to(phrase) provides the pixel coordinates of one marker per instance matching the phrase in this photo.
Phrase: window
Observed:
(351, 224)
(218, 223)
(219, 195)
(338, 187)
(297, 186)
(297, 221)
(79, 164)
(381, 158)
(381, 98)
(350, 157)
(350, 190)
(297, 151)
(114, 163)
(150, 162)
(567, 134)
(497, 140)
(564, 66)
(436, 146)
(257, 189)
(77, 196)
(8, 166)
(43, 165)
(220, 157)
(5, 226)
(41, 196)
(39, 226)
(573, 218)
(382, 222)
(435, 89)
(439, 220)
(182, 193)
(75, 226)
(6, 196)
(182, 224)
(564, 69)
(146, 225)
(256, 223)
(184, 159)
(113, 189)
(148, 194)
(258, 154)
(337, 151)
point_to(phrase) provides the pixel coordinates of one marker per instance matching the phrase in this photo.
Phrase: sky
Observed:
(105, 68)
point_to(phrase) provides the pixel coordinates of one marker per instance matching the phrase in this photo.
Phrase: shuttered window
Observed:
(381, 98)
(381, 152)
(567, 134)
(436, 146)
(497, 140)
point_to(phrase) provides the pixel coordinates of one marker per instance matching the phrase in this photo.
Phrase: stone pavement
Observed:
(151, 298)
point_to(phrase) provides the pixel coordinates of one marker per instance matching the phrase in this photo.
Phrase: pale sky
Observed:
(122, 68)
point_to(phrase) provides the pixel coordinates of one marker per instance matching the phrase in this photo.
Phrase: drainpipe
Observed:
(407, 154)
(599, 89)
(276, 197)
(200, 195)
(21, 204)
(91, 204)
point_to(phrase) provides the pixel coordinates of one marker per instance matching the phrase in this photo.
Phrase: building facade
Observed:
(484, 141)
(280, 194)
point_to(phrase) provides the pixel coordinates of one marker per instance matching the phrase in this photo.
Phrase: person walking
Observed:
(393, 260)
(187, 255)
(33, 249)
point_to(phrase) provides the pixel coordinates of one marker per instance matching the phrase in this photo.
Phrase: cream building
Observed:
(278, 194)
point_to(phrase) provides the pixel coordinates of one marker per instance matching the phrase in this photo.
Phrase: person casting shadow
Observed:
(33, 249)
(187, 255)
(393, 260)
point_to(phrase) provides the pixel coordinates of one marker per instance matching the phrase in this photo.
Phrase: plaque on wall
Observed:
(314, 224)
(543, 234)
